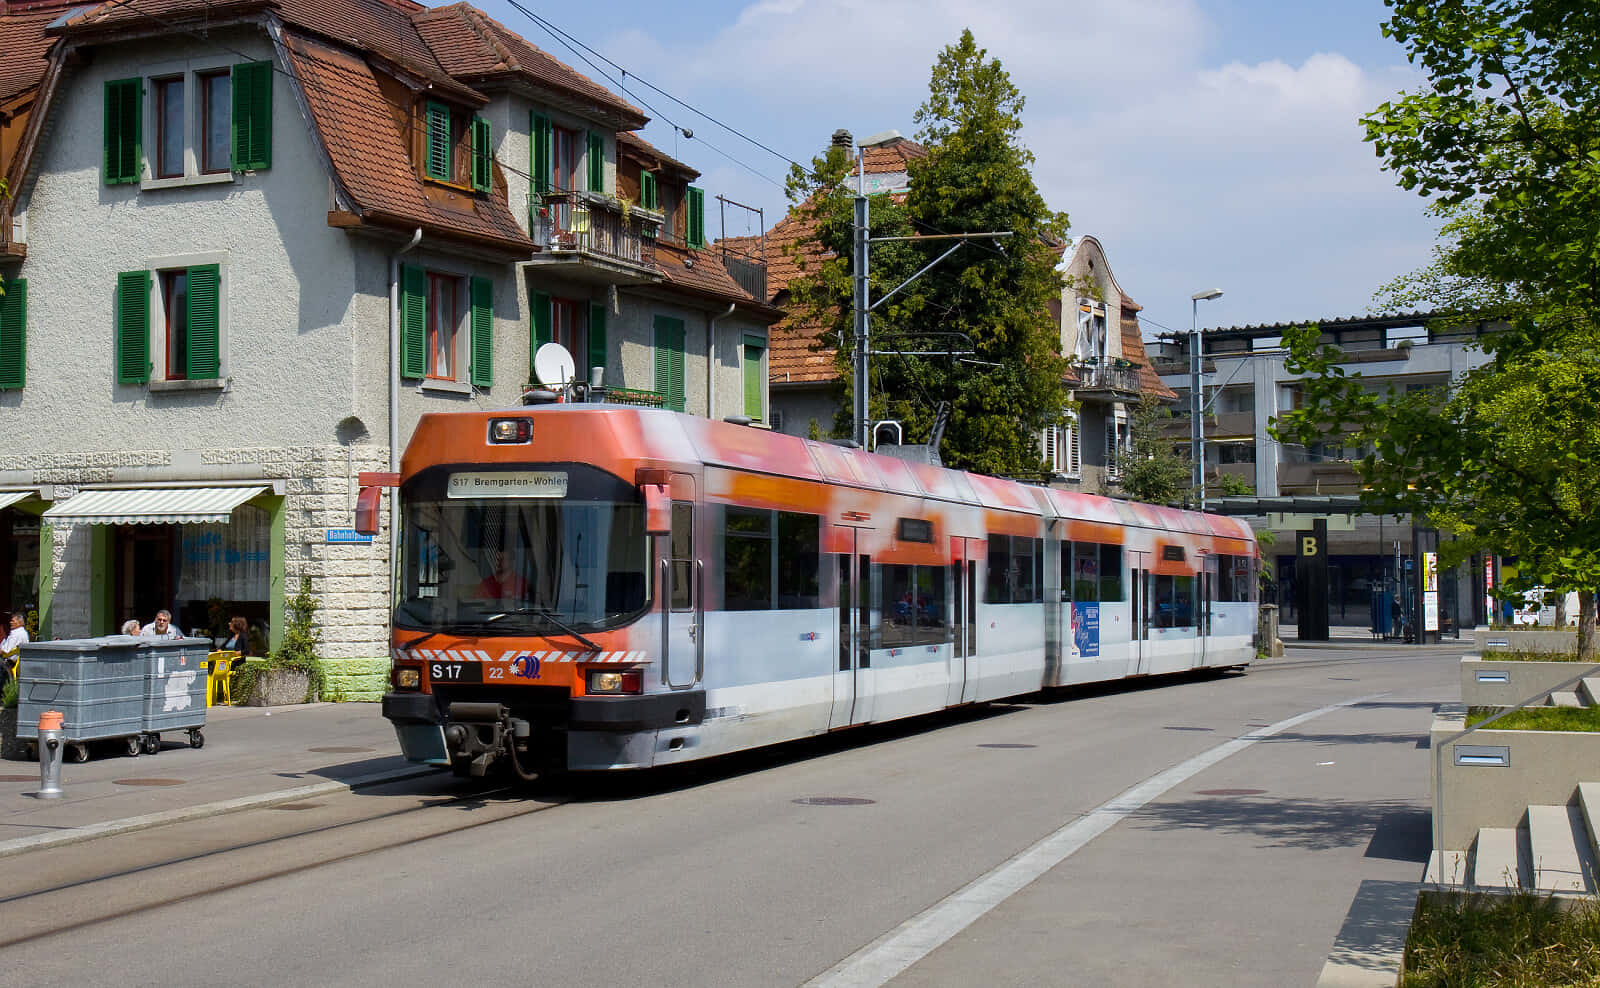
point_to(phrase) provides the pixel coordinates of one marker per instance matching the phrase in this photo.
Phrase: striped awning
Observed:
(8, 498)
(151, 506)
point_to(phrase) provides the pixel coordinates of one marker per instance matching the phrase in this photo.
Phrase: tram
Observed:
(598, 587)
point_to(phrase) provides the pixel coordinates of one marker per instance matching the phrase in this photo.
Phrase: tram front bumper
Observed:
(418, 725)
(645, 712)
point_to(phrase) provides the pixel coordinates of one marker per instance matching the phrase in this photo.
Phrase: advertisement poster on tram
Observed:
(1085, 630)
(1430, 591)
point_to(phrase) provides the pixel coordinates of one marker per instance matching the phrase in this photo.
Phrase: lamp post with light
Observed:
(1197, 429)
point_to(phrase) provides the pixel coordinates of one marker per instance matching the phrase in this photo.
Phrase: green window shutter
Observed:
(597, 162)
(754, 350)
(647, 190)
(124, 98)
(597, 336)
(669, 337)
(14, 334)
(413, 321)
(205, 354)
(482, 332)
(482, 154)
(697, 217)
(438, 162)
(133, 327)
(252, 116)
(539, 302)
(540, 128)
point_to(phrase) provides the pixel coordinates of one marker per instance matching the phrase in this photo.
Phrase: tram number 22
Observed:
(455, 672)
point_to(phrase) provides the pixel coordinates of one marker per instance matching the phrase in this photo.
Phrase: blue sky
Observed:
(1205, 143)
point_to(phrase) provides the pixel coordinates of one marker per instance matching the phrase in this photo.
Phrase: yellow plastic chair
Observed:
(220, 666)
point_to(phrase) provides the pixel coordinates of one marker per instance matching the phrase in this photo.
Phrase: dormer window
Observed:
(458, 147)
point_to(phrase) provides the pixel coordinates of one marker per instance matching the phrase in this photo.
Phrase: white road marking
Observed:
(884, 958)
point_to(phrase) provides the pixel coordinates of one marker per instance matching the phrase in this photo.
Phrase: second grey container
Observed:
(175, 684)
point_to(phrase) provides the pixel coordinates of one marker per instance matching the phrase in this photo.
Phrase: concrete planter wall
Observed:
(1491, 682)
(1525, 640)
(1489, 778)
(11, 748)
(280, 687)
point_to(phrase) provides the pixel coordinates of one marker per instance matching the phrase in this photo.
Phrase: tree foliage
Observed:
(992, 296)
(1154, 472)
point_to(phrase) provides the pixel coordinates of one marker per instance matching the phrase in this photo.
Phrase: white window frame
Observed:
(157, 327)
(189, 70)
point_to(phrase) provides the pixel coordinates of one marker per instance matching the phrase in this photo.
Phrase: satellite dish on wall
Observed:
(553, 366)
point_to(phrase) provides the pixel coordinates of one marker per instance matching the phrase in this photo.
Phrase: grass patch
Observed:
(1539, 719)
(1521, 940)
(1520, 655)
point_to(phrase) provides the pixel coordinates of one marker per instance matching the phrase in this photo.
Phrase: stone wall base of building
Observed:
(355, 680)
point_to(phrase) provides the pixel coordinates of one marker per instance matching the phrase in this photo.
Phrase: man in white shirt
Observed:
(161, 627)
(11, 646)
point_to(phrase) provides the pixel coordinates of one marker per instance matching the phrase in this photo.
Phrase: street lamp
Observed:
(1197, 429)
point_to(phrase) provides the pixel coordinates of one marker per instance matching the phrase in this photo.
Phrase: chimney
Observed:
(842, 139)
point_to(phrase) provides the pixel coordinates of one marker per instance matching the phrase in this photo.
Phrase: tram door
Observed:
(1208, 594)
(852, 678)
(964, 631)
(1141, 585)
(682, 575)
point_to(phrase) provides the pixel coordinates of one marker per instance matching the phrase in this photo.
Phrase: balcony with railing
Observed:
(1120, 377)
(593, 237)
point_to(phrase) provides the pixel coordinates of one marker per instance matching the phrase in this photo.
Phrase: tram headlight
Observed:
(605, 681)
(407, 678)
(514, 431)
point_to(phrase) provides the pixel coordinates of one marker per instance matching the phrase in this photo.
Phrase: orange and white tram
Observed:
(593, 586)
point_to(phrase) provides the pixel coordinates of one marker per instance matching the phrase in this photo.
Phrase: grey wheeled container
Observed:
(98, 685)
(174, 688)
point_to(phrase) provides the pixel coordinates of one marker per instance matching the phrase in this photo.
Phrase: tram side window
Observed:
(1172, 602)
(1110, 573)
(747, 560)
(1016, 570)
(1234, 580)
(799, 541)
(914, 611)
(1085, 571)
(682, 556)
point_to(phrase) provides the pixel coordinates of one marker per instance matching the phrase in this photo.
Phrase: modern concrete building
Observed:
(250, 244)
(1246, 385)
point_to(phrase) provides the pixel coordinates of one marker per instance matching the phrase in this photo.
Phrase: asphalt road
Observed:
(1204, 832)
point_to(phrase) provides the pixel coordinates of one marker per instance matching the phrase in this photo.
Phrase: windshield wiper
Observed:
(548, 615)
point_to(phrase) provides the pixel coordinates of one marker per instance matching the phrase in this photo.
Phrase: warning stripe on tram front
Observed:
(469, 655)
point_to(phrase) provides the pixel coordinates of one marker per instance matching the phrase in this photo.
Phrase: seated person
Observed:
(131, 627)
(161, 627)
(238, 636)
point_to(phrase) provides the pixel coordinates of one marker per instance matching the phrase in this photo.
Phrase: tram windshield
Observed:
(507, 566)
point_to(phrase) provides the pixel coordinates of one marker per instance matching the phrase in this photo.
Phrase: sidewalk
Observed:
(253, 756)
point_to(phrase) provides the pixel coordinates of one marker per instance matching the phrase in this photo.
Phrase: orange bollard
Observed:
(50, 720)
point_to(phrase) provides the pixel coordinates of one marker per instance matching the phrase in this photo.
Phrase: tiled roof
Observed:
(23, 45)
(1133, 349)
(472, 45)
(702, 272)
(629, 142)
(794, 355)
(369, 155)
(382, 27)
(894, 156)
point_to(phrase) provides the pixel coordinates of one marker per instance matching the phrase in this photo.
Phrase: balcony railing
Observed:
(750, 273)
(590, 223)
(629, 396)
(1107, 377)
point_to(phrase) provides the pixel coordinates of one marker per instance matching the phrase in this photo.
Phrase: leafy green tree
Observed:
(994, 292)
(1154, 472)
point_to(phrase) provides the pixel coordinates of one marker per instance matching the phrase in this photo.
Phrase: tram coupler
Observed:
(51, 749)
(477, 733)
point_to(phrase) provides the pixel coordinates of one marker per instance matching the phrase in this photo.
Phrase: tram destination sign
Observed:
(513, 483)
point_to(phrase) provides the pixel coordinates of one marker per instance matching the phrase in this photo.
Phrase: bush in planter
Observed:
(297, 652)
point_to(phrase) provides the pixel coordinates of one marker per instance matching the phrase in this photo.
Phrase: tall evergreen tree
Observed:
(992, 296)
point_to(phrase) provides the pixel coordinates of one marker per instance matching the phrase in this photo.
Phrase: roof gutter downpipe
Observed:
(394, 401)
(711, 359)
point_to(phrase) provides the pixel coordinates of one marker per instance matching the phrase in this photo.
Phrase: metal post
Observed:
(1197, 429)
(860, 293)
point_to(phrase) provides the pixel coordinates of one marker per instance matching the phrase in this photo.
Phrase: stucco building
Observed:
(251, 243)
